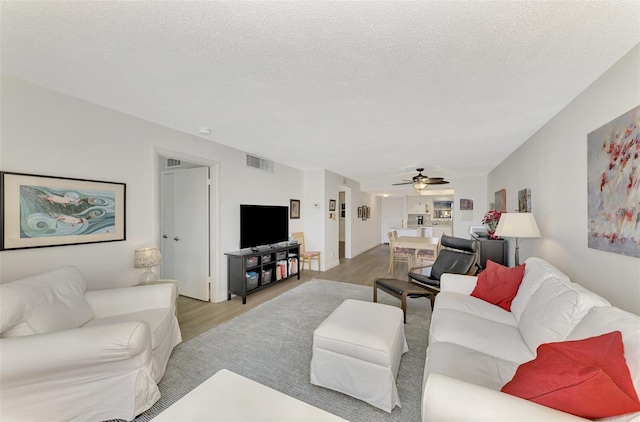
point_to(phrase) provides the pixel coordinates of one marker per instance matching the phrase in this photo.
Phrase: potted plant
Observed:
(490, 222)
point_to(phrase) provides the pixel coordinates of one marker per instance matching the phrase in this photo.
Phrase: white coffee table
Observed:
(227, 396)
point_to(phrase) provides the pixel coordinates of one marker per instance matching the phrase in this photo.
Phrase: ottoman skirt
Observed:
(357, 351)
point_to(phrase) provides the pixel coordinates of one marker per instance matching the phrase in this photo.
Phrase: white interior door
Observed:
(185, 230)
(392, 215)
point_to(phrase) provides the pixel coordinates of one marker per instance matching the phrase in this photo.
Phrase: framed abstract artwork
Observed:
(466, 204)
(501, 200)
(524, 200)
(613, 185)
(40, 211)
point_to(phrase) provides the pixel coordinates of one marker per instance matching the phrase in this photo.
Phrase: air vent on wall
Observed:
(172, 163)
(259, 163)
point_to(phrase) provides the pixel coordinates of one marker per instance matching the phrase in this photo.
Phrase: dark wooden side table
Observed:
(401, 289)
(496, 250)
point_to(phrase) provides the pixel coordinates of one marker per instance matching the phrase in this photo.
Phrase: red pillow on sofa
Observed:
(498, 284)
(588, 378)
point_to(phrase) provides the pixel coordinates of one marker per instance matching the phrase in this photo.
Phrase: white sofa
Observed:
(475, 347)
(72, 354)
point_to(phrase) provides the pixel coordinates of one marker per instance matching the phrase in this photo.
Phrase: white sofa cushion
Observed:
(159, 321)
(469, 365)
(554, 310)
(475, 306)
(602, 320)
(492, 338)
(44, 303)
(536, 271)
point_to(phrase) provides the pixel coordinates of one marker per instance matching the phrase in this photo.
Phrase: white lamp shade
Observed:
(147, 257)
(517, 224)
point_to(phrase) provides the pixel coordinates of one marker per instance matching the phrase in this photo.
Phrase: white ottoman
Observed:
(357, 351)
(229, 397)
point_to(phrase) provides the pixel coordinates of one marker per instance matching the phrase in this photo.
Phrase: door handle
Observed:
(164, 236)
(176, 238)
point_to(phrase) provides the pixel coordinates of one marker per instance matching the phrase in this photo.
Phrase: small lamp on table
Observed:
(147, 258)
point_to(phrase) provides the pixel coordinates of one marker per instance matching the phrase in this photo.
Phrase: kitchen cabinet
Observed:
(442, 210)
(438, 231)
(418, 205)
(407, 232)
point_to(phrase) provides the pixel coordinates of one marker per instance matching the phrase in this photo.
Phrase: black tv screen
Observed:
(262, 225)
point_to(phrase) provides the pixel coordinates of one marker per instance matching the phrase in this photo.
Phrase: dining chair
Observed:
(305, 256)
(430, 252)
(398, 254)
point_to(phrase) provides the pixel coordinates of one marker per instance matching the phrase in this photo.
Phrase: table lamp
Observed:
(517, 224)
(147, 258)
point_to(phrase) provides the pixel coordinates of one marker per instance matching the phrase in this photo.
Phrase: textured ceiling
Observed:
(369, 90)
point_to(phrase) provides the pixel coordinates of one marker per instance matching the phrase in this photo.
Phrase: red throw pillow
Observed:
(498, 284)
(588, 378)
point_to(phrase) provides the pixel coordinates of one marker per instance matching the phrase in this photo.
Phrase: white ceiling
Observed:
(368, 90)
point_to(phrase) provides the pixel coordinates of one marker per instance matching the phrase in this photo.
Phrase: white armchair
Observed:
(71, 354)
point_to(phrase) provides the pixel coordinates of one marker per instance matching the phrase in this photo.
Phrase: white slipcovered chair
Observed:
(71, 354)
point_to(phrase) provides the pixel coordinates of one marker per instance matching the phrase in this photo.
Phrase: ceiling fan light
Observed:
(419, 184)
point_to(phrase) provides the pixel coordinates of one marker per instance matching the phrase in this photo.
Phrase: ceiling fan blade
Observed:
(437, 182)
(403, 183)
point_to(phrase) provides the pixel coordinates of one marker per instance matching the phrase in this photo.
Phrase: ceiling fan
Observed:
(420, 181)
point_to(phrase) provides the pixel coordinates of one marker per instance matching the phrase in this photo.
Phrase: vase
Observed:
(492, 234)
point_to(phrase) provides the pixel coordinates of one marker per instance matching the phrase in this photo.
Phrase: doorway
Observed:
(342, 213)
(185, 198)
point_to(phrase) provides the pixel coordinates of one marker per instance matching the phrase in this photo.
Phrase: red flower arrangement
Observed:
(490, 222)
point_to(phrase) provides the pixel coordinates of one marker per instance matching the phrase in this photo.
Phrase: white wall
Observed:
(553, 163)
(469, 187)
(48, 133)
(321, 233)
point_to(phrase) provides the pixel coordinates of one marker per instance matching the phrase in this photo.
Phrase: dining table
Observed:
(417, 243)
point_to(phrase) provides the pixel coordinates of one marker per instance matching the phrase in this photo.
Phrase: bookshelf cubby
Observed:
(249, 271)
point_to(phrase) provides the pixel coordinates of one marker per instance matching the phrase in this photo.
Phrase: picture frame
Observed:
(368, 212)
(613, 192)
(501, 200)
(524, 200)
(332, 204)
(365, 212)
(42, 211)
(466, 204)
(359, 212)
(294, 209)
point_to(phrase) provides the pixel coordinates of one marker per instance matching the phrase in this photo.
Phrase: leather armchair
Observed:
(455, 256)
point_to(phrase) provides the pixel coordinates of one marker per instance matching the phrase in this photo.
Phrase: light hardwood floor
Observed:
(196, 317)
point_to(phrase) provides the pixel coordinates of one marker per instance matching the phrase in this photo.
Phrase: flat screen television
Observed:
(262, 225)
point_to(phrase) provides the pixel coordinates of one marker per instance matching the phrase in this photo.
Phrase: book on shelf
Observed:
(293, 266)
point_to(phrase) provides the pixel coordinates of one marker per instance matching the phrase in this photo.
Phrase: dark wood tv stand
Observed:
(250, 270)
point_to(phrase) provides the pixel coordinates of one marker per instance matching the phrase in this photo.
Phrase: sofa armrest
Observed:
(69, 352)
(449, 399)
(458, 283)
(124, 300)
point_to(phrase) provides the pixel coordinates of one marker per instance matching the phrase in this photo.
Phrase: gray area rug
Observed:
(271, 344)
